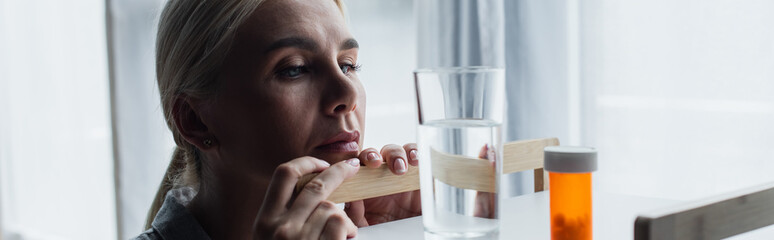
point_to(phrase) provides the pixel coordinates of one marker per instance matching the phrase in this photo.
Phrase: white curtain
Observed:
(460, 33)
(543, 87)
(56, 168)
(143, 143)
(542, 78)
(679, 95)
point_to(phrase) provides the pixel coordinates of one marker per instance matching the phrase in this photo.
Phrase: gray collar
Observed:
(174, 221)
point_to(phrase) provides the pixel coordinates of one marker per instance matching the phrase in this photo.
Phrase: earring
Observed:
(207, 142)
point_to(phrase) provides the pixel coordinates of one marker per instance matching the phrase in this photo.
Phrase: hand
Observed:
(485, 202)
(307, 215)
(391, 207)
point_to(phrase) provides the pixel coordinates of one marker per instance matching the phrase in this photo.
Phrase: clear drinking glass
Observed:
(460, 150)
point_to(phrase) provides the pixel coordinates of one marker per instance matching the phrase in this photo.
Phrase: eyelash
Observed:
(286, 72)
(352, 67)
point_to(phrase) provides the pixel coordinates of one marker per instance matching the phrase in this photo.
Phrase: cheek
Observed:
(292, 116)
(361, 110)
(361, 106)
(361, 96)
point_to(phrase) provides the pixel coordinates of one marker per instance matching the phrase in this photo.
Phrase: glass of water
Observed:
(460, 150)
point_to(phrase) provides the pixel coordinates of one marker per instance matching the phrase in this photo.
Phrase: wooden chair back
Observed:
(374, 182)
(528, 155)
(713, 218)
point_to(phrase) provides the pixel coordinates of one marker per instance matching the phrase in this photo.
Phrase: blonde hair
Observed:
(194, 37)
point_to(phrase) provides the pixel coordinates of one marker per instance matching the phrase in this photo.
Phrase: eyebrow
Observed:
(349, 44)
(297, 42)
(307, 44)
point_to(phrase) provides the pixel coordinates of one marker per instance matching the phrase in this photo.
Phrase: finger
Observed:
(396, 158)
(339, 227)
(484, 205)
(284, 180)
(356, 212)
(483, 152)
(314, 225)
(371, 158)
(411, 151)
(321, 186)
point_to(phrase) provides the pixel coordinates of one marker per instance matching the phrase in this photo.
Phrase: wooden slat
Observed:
(546, 183)
(541, 180)
(369, 183)
(525, 155)
(714, 218)
(479, 174)
(462, 172)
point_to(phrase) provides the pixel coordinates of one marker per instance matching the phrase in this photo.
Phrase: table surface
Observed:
(527, 217)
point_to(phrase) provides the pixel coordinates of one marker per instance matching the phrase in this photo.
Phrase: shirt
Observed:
(174, 221)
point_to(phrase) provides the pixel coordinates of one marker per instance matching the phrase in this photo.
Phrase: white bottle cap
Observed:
(566, 159)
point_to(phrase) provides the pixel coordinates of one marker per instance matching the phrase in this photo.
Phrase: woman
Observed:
(258, 93)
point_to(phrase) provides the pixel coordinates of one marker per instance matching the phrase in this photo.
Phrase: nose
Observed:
(340, 94)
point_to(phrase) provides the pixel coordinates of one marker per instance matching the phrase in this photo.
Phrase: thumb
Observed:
(483, 152)
(356, 212)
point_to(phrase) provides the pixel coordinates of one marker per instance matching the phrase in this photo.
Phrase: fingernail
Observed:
(354, 162)
(413, 155)
(327, 164)
(400, 165)
(373, 157)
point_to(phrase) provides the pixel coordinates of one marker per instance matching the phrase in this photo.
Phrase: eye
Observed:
(345, 68)
(293, 72)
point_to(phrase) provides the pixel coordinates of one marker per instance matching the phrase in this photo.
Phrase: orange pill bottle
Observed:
(569, 176)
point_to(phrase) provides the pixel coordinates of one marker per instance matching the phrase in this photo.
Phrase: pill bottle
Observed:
(569, 176)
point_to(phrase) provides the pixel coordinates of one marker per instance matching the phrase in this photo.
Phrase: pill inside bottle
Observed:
(569, 172)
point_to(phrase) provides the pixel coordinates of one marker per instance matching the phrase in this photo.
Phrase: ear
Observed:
(190, 125)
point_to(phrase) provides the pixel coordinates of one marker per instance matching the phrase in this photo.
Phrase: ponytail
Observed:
(193, 39)
(175, 176)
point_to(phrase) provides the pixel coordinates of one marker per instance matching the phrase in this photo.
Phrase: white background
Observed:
(56, 169)
(680, 94)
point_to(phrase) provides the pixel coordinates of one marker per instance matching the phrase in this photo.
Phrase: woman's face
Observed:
(288, 88)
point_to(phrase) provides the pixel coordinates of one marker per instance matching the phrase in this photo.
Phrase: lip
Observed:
(341, 142)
